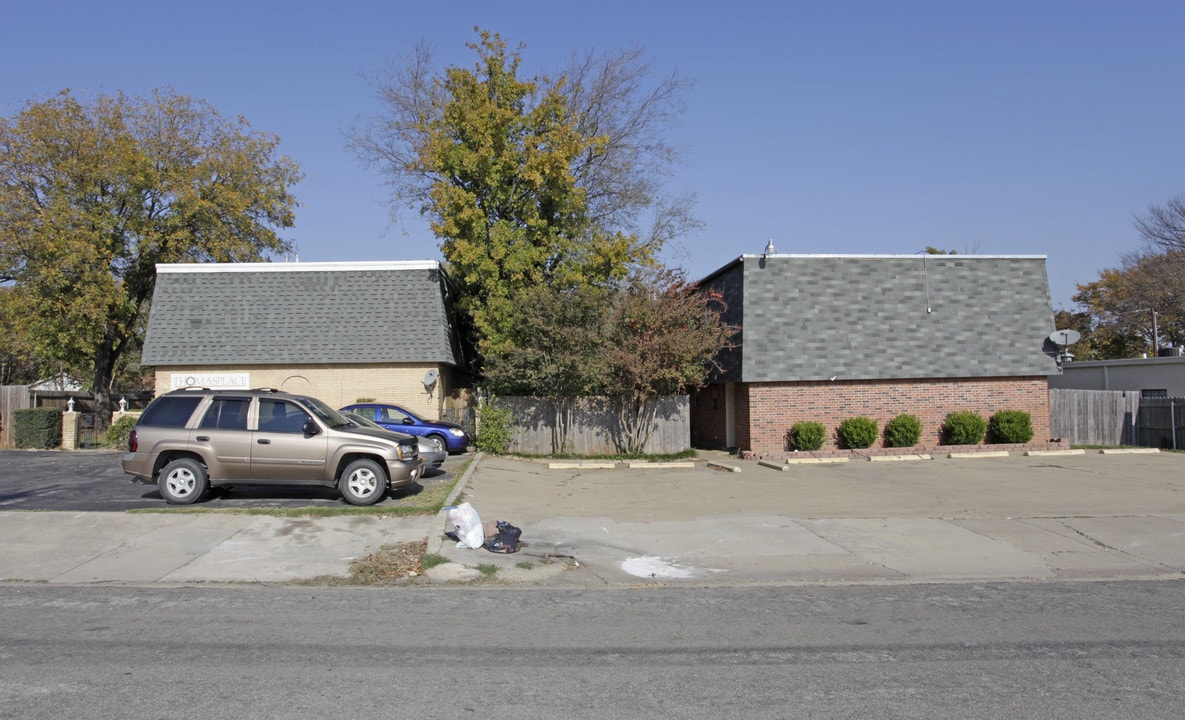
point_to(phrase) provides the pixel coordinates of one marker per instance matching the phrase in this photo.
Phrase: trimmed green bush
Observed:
(117, 434)
(496, 428)
(1011, 426)
(37, 428)
(858, 432)
(903, 431)
(963, 428)
(807, 435)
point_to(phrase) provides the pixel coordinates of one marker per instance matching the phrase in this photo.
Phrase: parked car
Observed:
(448, 436)
(432, 457)
(192, 439)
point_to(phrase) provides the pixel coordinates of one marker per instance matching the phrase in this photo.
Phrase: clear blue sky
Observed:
(1036, 128)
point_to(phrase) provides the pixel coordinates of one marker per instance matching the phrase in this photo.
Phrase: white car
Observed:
(430, 453)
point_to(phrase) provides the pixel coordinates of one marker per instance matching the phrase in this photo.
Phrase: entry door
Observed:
(730, 415)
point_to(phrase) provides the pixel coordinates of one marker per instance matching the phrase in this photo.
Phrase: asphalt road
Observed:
(992, 650)
(93, 480)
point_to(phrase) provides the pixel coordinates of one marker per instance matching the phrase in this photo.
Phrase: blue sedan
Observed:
(447, 436)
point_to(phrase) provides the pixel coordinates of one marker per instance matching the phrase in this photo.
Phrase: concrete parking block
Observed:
(898, 458)
(974, 455)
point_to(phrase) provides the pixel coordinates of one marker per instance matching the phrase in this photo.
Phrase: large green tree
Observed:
(528, 181)
(94, 193)
(1136, 305)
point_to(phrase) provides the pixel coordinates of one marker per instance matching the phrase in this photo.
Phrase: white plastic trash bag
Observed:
(467, 525)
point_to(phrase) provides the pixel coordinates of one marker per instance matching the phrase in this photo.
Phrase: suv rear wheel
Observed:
(363, 483)
(183, 481)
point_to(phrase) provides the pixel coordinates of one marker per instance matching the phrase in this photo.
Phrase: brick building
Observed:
(829, 337)
(336, 331)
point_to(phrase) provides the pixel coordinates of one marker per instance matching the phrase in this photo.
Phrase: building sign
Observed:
(214, 381)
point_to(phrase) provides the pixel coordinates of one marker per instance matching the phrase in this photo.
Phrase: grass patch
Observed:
(431, 560)
(487, 570)
(524, 565)
(620, 457)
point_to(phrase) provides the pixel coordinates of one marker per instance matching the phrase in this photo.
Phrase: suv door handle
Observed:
(203, 438)
(264, 441)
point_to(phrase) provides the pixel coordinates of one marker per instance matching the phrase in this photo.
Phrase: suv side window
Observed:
(170, 411)
(282, 417)
(227, 414)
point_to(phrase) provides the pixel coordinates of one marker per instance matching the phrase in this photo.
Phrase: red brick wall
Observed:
(765, 411)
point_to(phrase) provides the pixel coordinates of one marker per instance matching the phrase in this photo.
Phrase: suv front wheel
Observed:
(183, 481)
(363, 483)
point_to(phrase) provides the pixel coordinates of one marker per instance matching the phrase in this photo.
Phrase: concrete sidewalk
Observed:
(1085, 516)
(172, 548)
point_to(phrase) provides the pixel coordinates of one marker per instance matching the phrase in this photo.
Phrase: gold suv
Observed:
(192, 439)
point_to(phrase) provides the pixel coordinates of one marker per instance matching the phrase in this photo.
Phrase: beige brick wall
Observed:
(337, 385)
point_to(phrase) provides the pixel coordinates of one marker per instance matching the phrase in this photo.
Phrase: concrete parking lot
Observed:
(1079, 517)
(94, 481)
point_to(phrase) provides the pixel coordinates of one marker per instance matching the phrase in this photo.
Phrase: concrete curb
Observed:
(1050, 453)
(1129, 451)
(723, 466)
(436, 538)
(816, 461)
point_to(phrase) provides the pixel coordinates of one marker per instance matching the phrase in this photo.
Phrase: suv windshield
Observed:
(328, 415)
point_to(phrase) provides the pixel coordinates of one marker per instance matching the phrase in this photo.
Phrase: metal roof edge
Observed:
(297, 266)
(865, 256)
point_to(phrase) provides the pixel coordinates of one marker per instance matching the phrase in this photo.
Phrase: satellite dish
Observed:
(429, 378)
(1065, 337)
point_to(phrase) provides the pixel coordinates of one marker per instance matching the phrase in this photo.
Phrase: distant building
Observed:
(1150, 377)
(336, 331)
(829, 337)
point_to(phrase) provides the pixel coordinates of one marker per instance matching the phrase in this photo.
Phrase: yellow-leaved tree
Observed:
(93, 194)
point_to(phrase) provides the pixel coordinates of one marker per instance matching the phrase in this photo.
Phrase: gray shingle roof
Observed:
(299, 313)
(814, 317)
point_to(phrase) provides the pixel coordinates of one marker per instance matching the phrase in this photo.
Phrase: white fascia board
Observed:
(297, 266)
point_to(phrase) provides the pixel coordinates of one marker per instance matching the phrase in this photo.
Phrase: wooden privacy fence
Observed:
(1094, 417)
(12, 398)
(594, 427)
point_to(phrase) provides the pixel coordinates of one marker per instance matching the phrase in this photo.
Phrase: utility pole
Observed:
(1155, 335)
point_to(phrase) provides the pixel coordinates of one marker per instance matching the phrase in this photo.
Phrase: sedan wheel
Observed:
(437, 443)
